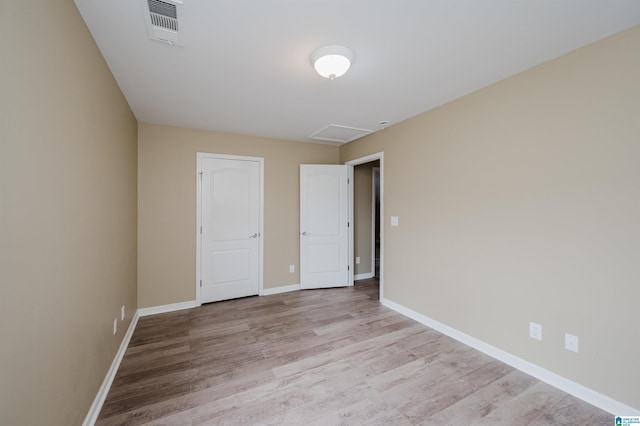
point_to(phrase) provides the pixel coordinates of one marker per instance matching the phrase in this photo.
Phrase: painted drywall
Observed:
(68, 164)
(362, 214)
(521, 202)
(167, 206)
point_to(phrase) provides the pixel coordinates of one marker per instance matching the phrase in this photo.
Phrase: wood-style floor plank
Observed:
(320, 357)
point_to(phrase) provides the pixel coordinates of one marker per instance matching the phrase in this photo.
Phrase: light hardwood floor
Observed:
(321, 357)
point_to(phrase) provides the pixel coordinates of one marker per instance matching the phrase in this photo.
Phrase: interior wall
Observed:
(520, 202)
(362, 214)
(67, 214)
(167, 206)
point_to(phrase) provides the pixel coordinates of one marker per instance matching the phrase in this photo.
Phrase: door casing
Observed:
(352, 163)
(199, 157)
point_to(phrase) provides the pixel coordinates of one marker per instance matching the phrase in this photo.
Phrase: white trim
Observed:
(103, 391)
(199, 157)
(364, 276)
(579, 391)
(352, 224)
(368, 159)
(261, 242)
(153, 310)
(281, 289)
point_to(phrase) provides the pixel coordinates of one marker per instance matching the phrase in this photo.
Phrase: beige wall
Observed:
(167, 206)
(521, 202)
(528, 211)
(362, 214)
(67, 214)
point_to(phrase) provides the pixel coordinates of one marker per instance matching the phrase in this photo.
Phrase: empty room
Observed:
(323, 212)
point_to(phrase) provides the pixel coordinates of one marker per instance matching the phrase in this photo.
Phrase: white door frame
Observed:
(199, 157)
(352, 163)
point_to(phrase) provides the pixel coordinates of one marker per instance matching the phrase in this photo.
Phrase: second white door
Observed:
(230, 232)
(324, 226)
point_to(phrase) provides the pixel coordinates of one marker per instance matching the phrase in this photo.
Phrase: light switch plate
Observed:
(394, 220)
(292, 268)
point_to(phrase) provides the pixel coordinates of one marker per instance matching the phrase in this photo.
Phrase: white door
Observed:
(324, 232)
(230, 233)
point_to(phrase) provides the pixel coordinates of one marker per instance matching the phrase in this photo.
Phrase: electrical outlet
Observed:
(122, 313)
(115, 326)
(292, 268)
(535, 331)
(357, 260)
(570, 342)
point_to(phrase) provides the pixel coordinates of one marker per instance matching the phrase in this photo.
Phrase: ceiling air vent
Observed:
(163, 15)
(162, 20)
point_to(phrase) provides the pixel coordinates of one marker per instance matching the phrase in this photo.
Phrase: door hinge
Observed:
(348, 267)
(348, 224)
(200, 283)
(201, 229)
(200, 175)
(348, 181)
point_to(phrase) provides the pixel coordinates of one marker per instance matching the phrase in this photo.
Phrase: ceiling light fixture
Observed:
(332, 61)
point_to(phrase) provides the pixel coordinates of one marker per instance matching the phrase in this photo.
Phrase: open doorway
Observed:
(366, 210)
(375, 213)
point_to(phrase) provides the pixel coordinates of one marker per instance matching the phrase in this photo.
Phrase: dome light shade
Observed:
(332, 61)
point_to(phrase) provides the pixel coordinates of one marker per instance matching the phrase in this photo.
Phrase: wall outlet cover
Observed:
(535, 331)
(571, 342)
(292, 268)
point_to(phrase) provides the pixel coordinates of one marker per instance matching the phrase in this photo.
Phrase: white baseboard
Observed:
(281, 289)
(589, 395)
(143, 312)
(95, 408)
(366, 276)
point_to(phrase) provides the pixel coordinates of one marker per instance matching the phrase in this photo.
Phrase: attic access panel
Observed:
(339, 134)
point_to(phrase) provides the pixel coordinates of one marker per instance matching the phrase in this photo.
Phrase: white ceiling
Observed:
(244, 65)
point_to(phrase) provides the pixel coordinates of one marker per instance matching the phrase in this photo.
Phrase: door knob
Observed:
(305, 233)
(254, 235)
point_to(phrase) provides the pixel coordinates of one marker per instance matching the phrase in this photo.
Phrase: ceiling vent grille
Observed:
(163, 14)
(162, 20)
